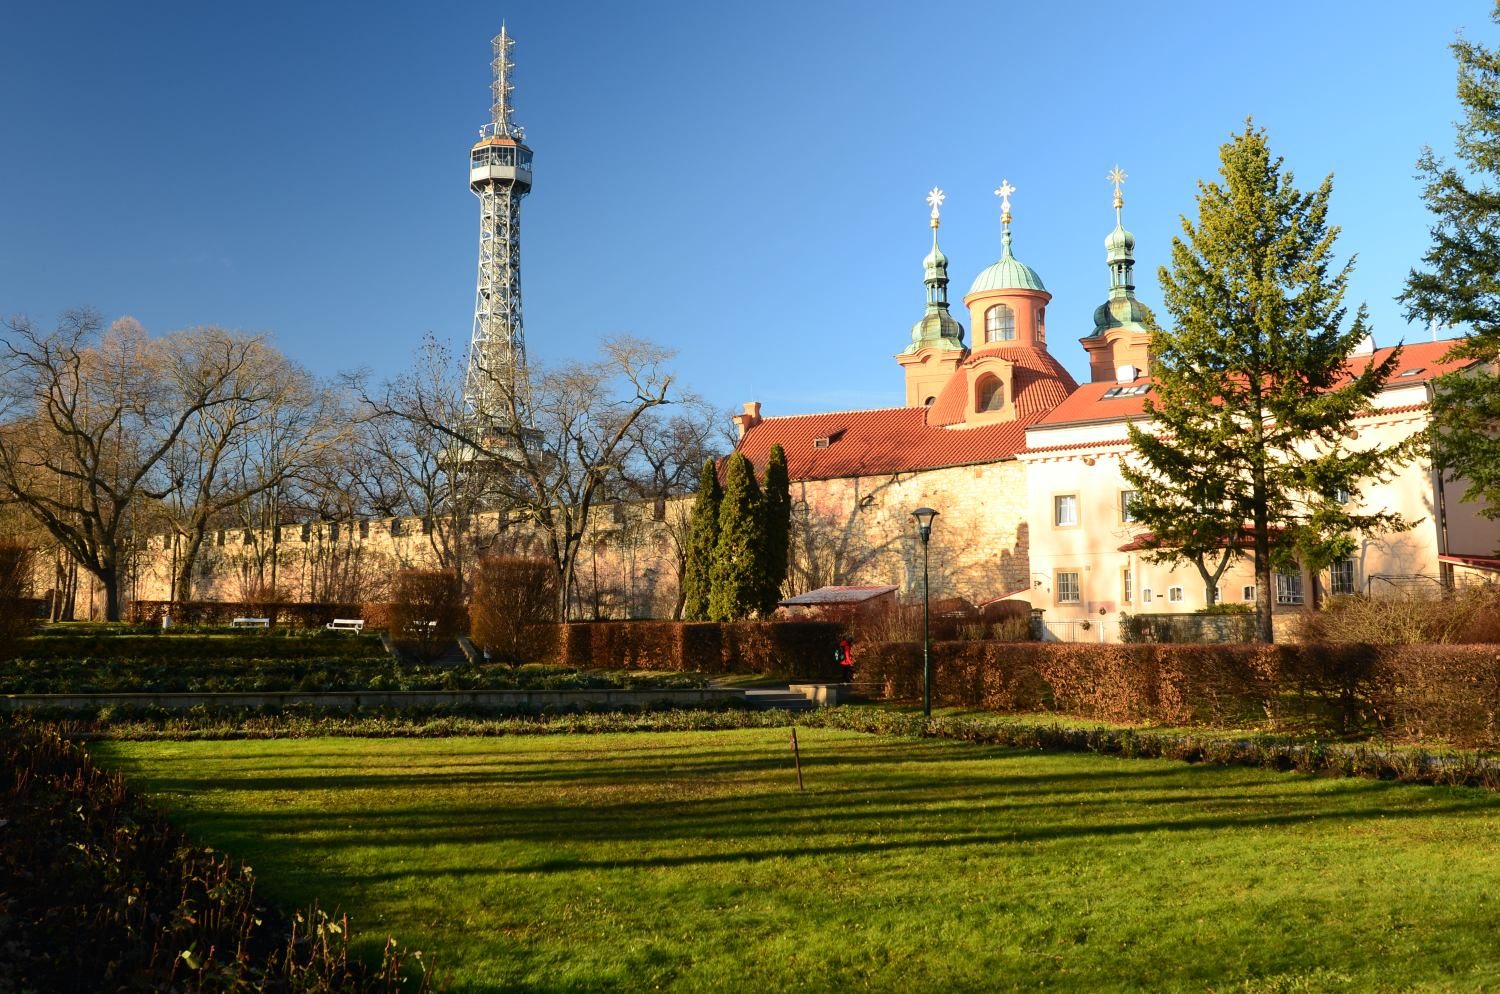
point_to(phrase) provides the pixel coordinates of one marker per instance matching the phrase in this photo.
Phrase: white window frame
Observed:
(1174, 595)
(1127, 497)
(1247, 592)
(1127, 585)
(1061, 501)
(1059, 585)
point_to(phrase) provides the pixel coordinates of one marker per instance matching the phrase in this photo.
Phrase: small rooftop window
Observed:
(1412, 372)
(1133, 391)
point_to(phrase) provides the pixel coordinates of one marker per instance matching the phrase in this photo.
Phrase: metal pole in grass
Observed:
(797, 757)
(924, 516)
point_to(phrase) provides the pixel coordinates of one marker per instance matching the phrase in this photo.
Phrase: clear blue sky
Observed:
(743, 183)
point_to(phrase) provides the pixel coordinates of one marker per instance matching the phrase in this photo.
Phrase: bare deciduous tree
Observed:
(90, 417)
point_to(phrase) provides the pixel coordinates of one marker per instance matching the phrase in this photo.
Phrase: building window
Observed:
(1000, 324)
(1341, 576)
(1340, 495)
(1127, 589)
(364, 529)
(1248, 592)
(1146, 596)
(1041, 324)
(1127, 506)
(1065, 510)
(307, 533)
(1067, 587)
(1288, 588)
(1174, 595)
(929, 401)
(990, 395)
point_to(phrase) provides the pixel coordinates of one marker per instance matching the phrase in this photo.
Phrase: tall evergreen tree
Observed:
(737, 577)
(703, 537)
(778, 512)
(1254, 390)
(1460, 284)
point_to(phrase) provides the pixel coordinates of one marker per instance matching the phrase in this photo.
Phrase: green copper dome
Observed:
(1009, 273)
(1119, 243)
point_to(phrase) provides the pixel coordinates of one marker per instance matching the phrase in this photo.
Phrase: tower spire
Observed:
(1003, 192)
(1119, 246)
(499, 175)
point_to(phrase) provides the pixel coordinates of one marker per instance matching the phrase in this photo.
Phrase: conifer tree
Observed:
(778, 527)
(737, 577)
(703, 536)
(1460, 284)
(1254, 388)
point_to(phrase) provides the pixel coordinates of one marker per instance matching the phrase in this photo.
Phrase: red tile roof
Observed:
(1038, 383)
(872, 443)
(1421, 361)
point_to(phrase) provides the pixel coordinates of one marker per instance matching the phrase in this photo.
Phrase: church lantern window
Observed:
(1000, 324)
(990, 395)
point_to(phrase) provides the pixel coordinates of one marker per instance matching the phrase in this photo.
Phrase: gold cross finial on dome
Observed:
(1117, 177)
(935, 200)
(1003, 192)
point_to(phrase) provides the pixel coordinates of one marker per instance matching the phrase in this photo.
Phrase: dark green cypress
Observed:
(702, 538)
(778, 512)
(737, 577)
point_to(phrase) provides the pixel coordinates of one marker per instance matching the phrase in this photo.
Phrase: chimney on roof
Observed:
(1126, 374)
(744, 422)
(1366, 346)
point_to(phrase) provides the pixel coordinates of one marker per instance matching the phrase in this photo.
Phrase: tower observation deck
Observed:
(499, 175)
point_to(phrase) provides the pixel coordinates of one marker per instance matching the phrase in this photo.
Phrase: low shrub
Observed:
(513, 611)
(103, 894)
(428, 605)
(18, 610)
(1467, 616)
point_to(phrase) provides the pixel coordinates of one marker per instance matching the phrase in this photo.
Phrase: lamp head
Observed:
(923, 517)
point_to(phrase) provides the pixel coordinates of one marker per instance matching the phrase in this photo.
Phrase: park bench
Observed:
(346, 625)
(252, 622)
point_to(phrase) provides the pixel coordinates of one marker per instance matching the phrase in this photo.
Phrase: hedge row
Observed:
(799, 649)
(103, 894)
(291, 614)
(1445, 693)
(191, 648)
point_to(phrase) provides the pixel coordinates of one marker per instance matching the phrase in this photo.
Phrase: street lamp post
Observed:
(924, 516)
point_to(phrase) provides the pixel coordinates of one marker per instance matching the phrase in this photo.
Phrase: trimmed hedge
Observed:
(800, 649)
(193, 648)
(1446, 693)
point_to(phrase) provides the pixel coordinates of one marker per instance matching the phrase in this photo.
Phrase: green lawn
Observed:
(690, 862)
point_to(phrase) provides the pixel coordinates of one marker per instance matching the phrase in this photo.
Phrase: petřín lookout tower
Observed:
(499, 175)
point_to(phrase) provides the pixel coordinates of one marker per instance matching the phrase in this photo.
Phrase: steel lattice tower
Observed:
(499, 175)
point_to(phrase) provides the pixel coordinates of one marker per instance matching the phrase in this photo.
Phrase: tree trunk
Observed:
(109, 576)
(182, 584)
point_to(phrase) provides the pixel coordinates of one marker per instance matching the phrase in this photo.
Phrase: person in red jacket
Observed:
(845, 657)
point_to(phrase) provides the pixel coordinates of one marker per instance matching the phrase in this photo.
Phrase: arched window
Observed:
(999, 324)
(1041, 324)
(929, 401)
(990, 394)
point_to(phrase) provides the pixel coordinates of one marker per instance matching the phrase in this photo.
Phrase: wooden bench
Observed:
(346, 625)
(252, 622)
